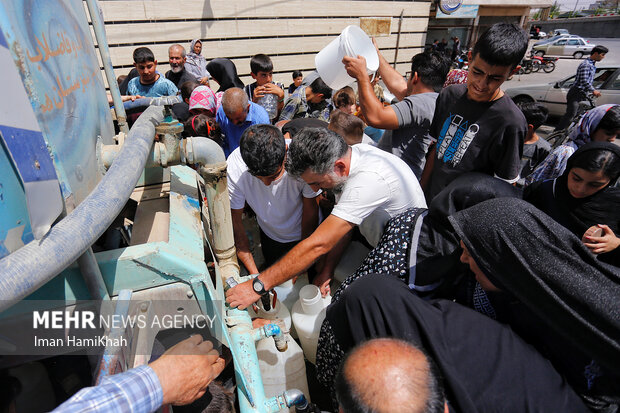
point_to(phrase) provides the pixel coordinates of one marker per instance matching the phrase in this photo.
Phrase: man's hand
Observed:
(242, 295)
(186, 369)
(596, 93)
(204, 81)
(322, 281)
(356, 67)
(605, 243)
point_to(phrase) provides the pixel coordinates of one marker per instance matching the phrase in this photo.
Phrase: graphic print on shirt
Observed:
(454, 139)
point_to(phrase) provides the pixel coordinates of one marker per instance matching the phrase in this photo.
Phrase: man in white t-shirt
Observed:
(372, 187)
(285, 207)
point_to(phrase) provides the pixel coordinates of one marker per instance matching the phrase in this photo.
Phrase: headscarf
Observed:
(203, 98)
(437, 248)
(555, 163)
(224, 72)
(195, 63)
(528, 255)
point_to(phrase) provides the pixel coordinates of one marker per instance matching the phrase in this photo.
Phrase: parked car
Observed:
(576, 47)
(558, 31)
(559, 36)
(553, 95)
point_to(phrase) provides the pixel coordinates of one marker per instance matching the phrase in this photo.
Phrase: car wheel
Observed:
(578, 55)
(540, 53)
(522, 99)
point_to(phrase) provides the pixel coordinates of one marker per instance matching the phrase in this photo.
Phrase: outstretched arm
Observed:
(294, 262)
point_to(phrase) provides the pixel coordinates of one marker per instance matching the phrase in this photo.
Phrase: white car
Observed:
(553, 95)
(565, 46)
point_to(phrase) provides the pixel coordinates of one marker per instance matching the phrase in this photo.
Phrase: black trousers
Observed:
(573, 98)
(274, 250)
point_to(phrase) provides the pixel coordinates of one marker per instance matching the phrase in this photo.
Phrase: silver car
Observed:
(576, 47)
(553, 95)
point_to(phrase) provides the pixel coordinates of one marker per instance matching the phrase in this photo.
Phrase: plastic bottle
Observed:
(288, 292)
(269, 102)
(308, 315)
(282, 371)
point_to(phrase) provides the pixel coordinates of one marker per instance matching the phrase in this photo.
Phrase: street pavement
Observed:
(565, 67)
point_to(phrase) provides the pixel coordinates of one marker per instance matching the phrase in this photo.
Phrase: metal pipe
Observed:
(295, 397)
(208, 153)
(104, 51)
(31, 266)
(150, 101)
(92, 276)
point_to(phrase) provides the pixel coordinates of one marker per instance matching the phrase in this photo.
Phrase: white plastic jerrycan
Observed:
(308, 315)
(282, 371)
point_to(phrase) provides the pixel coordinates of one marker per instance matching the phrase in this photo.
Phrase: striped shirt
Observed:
(137, 390)
(585, 76)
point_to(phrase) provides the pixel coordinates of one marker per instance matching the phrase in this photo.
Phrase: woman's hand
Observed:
(608, 241)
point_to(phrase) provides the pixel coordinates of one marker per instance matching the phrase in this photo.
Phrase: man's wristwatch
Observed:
(258, 286)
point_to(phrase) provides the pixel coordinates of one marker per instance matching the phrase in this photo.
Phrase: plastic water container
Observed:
(308, 315)
(282, 371)
(288, 292)
(269, 102)
(353, 41)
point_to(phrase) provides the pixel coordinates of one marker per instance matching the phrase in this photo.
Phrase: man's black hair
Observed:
(296, 74)
(261, 63)
(143, 55)
(599, 49)
(535, 113)
(316, 149)
(503, 44)
(432, 68)
(187, 88)
(611, 120)
(263, 149)
(318, 86)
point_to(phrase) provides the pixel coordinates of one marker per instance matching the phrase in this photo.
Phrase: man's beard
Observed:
(176, 69)
(339, 182)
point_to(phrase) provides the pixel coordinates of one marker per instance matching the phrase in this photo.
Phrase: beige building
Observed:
(477, 15)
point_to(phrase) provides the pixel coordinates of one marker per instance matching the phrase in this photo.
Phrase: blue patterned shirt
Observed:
(585, 76)
(137, 390)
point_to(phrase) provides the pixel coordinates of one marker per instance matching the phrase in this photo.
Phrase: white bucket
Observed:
(353, 41)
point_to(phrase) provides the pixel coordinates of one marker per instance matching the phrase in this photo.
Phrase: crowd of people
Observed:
(493, 277)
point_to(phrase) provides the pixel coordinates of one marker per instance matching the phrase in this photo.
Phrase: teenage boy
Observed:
(535, 149)
(477, 128)
(309, 102)
(285, 207)
(261, 67)
(582, 86)
(410, 119)
(149, 82)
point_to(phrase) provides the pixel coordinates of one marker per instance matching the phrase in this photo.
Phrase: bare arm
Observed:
(428, 167)
(294, 262)
(242, 243)
(394, 81)
(309, 216)
(376, 114)
(323, 279)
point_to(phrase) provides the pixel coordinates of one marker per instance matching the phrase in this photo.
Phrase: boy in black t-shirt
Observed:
(535, 148)
(477, 127)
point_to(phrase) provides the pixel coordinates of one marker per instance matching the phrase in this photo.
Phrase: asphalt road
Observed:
(565, 67)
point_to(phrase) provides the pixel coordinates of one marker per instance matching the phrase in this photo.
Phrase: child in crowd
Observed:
(149, 82)
(350, 127)
(345, 100)
(535, 149)
(309, 102)
(181, 109)
(476, 127)
(298, 77)
(262, 72)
